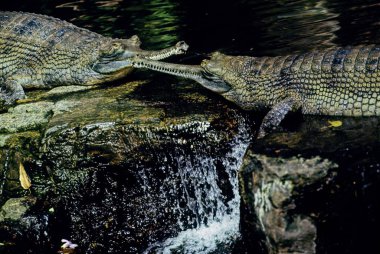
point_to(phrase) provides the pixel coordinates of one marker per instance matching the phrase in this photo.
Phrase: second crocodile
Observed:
(339, 81)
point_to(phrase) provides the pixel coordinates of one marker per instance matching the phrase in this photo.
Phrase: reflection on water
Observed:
(160, 23)
(304, 21)
(155, 21)
(237, 27)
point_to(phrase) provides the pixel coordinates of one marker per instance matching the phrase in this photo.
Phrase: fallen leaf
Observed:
(335, 124)
(24, 178)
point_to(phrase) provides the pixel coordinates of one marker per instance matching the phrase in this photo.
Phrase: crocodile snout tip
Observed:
(182, 47)
(204, 63)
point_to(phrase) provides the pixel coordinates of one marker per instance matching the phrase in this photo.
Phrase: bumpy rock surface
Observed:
(104, 164)
(109, 168)
(274, 183)
(313, 188)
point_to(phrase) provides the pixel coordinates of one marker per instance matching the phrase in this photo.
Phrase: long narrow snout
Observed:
(122, 52)
(194, 72)
(179, 48)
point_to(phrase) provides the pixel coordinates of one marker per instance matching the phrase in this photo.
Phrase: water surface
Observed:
(237, 27)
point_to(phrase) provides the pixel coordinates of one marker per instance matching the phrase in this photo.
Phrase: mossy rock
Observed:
(86, 151)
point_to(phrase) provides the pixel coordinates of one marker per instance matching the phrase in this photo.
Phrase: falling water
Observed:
(210, 220)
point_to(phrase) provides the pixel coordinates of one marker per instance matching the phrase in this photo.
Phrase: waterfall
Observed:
(210, 218)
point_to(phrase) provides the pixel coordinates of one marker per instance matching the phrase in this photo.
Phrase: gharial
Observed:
(38, 51)
(341, 81)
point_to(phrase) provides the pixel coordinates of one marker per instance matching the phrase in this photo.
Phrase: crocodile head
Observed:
(221, 67)
(114, 57)
(229, 76)
(232, 70)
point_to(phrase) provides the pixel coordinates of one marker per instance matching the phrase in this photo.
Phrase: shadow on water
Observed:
(239, 27)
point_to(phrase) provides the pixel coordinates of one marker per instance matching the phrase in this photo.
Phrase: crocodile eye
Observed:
(112, 51)
(116, 48)
(204, 63)
(116, 45)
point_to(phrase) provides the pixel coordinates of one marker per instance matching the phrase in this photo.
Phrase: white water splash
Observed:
(217, 222)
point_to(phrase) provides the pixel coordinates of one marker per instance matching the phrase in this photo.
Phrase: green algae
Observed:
(17, 139)
(15, 208)
(119, 105)
(25, 117)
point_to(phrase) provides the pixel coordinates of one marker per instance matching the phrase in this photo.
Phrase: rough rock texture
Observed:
(274, 181)
(109, 168)
(15, 208)
(313, 188)
(107, 165)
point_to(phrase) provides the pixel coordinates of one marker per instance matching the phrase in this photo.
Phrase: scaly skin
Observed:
(38, 51)
(339, 81)
(343, 81)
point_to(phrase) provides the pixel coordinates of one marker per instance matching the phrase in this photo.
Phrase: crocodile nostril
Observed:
(204, 63)
(135, 37)
(182, 45)
(135, 40)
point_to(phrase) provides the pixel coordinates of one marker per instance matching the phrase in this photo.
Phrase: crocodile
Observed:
(38, 51)
(340, 81)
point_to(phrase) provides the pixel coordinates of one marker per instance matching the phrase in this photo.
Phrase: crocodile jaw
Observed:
(115, 64)
(214, 83)
(197, 73)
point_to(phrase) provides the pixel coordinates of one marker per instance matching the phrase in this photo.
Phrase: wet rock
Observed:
(117, 169)
(273, 184)
(15, 208)
(314, 186)
(64, 90)
(110, 166)
(3, 139)
(25, 117)
(19, 224)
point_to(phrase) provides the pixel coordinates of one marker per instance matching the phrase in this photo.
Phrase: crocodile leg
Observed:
(277, 114)
(10, 91)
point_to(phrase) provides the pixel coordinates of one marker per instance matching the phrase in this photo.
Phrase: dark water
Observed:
(235, 27)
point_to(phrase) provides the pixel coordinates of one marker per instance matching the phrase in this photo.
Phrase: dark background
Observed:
(236, 27)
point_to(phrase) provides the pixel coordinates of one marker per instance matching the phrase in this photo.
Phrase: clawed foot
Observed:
(276, 114)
